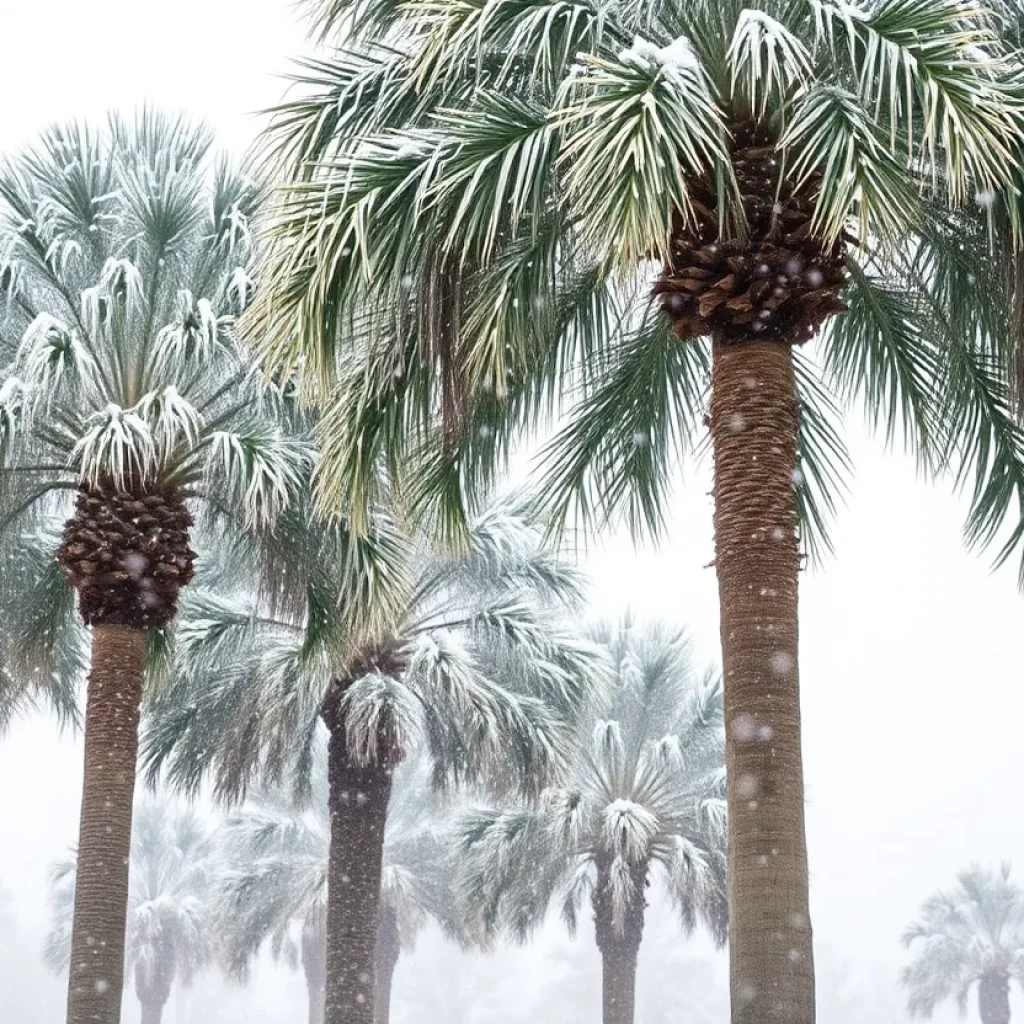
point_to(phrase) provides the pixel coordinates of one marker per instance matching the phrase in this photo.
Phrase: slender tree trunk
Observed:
(618, 985)
(618, 943)
(389, 949)
(994, 998)
(105, 830)
(754, 422)
(358, 797)
(152, 1012)
(314, 966)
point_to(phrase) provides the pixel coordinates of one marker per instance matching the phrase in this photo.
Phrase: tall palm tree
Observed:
(275, 879)
(478, 202)
(125, 398)
(169, 933)
(473, 669)
(971, 936)
(644, 798)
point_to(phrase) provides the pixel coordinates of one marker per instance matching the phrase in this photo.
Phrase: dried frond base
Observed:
(128, 556)
(777, 284)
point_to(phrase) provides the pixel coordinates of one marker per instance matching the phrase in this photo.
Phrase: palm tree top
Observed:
(125, 260)
(644, 794)
(538, 159)
(964, 935)
(475, 661)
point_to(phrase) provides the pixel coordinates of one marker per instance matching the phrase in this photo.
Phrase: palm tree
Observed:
(972, 936)
(479, 200)
(473, 669)
(124, 399)
(168, 933)
(644, 798)
(276, 879)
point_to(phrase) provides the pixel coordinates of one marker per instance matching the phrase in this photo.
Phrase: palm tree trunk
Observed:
(754, 423)
(314, 966)
(152, 1013)
(358, 798)
(105, 829)
(994, 998)
(618, 985)
(618, 940)
(389, 949)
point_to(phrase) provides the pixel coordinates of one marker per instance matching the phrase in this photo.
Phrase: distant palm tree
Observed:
(971, 936)
(125, 399)
(168, 934)
(622, 219)
(472, 668)
(275, 880)
(644, 799)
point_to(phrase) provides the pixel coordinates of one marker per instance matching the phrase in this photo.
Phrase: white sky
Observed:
(910, 649)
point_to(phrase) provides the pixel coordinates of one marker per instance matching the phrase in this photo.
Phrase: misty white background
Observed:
(910, 647)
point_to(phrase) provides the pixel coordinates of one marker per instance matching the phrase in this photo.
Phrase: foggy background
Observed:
(909, 644)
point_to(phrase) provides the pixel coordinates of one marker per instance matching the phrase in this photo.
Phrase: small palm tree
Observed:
(644, 798)
(624, 218)
(168, 933)
(124, 399)
(472, 668)
(972, 936)
(275, 880)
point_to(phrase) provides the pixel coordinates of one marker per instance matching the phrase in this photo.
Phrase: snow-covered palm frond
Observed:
(118, 445)
(628, 830)
(383, 718)
(766, 61)
(262, 470)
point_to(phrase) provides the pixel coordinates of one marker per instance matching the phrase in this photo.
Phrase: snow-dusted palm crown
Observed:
(274, 876)
(125, 259)
(532, 157)
(643, 801)
(169, 934)
(971, 936)
(466, 659)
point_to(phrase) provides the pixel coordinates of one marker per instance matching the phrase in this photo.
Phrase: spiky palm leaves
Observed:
(970, 936)
(124, 261)
(468, 665)
(643, 800)
(169, 935)
(481, 198)
(275, 882)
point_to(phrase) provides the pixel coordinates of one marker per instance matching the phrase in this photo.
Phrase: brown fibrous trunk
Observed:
(389, 949)
(104, 840)
(359, 795)
(619, 944)
(754, 425)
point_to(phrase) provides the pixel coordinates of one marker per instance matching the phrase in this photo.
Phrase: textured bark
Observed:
(314, 966)
(152, 1013)
(389, 949)
(105, 830)
(754, 422)
(619, 945)
(994, 998)
(358, 796)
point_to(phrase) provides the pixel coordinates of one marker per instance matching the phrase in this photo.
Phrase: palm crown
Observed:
(644, 797)
(531, 158)
(970, 936)
(125, 259)
(168, 935)
(470, 664)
